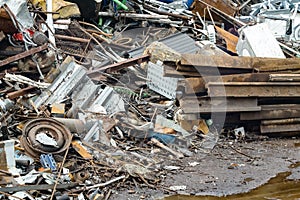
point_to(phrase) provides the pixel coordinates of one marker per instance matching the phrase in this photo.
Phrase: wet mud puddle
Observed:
(282, 187)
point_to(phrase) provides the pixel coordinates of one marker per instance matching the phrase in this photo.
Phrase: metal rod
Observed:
(23, 55)
(60, 171)
(75, 39)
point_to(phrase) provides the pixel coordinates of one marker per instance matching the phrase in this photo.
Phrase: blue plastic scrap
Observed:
(48, 161)
(164, 138)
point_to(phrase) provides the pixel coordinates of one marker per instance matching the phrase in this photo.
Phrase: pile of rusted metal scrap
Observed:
(102, 95)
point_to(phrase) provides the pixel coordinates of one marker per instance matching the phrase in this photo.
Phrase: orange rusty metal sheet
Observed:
(81, 150)
(58, 109)
(222, 5)
(231, 40)
(6, 24)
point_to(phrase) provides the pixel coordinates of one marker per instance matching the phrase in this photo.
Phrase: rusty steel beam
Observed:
(23, 55)
(171, 72)
(291, 125)
(280, 129)
(281, 121)
(285, 77)
(196, 85)
(230, 39)
(235, 62)
(6, 24)
(75, 39)
(253, 89)
(121, 65)
(216, 61)
(280, 111)
(215, 105)
(224, 6)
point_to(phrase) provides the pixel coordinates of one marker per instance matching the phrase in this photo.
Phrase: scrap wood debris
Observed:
(102, 95)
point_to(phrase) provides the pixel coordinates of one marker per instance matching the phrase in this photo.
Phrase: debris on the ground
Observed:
(102, 95)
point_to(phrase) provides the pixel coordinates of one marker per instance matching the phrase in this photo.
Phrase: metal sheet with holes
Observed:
(165, 86)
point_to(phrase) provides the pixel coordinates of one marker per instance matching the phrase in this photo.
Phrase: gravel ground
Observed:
(232, 167)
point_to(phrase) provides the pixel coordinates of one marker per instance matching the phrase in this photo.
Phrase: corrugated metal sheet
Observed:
(180, 42)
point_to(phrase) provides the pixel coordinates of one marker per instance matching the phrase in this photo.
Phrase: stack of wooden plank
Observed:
(265, 91)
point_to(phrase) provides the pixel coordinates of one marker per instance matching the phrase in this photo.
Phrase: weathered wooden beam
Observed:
(253, 89)
(214, 105)
(280, 111)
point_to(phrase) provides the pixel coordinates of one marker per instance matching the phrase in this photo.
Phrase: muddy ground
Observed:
(232, 167)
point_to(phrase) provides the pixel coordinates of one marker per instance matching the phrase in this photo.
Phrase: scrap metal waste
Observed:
(97, 96)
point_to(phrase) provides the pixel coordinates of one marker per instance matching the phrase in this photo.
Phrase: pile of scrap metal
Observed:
(253, 82)
(88, 108)
(82, 127)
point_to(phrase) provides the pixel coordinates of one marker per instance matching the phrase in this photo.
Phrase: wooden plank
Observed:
(253, 89)
(281, 111)
(214, 105)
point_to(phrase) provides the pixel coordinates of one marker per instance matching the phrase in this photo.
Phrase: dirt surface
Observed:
(232, 167)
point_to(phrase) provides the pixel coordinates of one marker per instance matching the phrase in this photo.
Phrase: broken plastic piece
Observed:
(120, 4)
(164, 138)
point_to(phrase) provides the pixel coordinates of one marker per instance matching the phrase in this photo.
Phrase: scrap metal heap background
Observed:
(102, 95)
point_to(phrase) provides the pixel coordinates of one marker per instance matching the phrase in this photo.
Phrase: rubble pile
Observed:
(102, 95)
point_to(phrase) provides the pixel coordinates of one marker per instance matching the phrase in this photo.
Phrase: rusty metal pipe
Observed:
(18, 93)
(75, 39)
